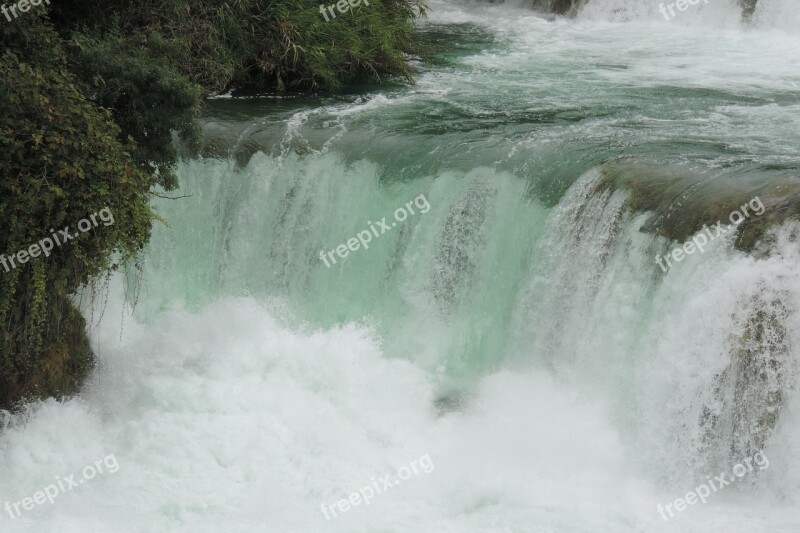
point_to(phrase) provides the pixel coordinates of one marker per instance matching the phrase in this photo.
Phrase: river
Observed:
(518, 331)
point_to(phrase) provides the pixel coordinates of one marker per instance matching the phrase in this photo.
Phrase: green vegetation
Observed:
(92, 92)
(62, 160)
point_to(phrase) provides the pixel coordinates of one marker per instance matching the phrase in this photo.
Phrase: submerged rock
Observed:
(453, 402)
(460, 240)
(749, 394)
(748, 8)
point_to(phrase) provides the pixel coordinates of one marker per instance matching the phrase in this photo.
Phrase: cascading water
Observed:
(519, 331)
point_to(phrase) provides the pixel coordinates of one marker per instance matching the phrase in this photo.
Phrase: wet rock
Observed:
(452, 402)
(58, 370)
(683, 203)
(460, 240)
(748, 8)
(561, 7)
(748, 395)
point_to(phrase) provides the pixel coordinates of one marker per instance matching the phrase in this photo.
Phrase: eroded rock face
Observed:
(742, 405)
(683, 203)
(748, 394)
(59, 368)
(461, 240)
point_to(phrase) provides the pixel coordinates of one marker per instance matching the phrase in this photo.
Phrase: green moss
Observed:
(61, 364)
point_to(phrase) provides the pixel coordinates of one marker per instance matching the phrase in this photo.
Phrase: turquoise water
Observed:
(518, 331)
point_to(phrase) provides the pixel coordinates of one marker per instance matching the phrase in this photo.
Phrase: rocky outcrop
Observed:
(742, 405)
(748, 8)
(58, 370)
(683, 203)
(569, 8)
(748, 395)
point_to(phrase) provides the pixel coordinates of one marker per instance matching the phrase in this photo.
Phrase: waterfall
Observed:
(519, 332)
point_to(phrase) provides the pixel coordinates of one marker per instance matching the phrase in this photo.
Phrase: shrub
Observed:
(61, 161)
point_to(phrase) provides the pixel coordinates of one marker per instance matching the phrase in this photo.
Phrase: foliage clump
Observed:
(62, 160)
(268, 44)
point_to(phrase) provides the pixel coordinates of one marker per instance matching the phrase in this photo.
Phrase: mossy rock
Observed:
(683, 202)
(60, 367)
